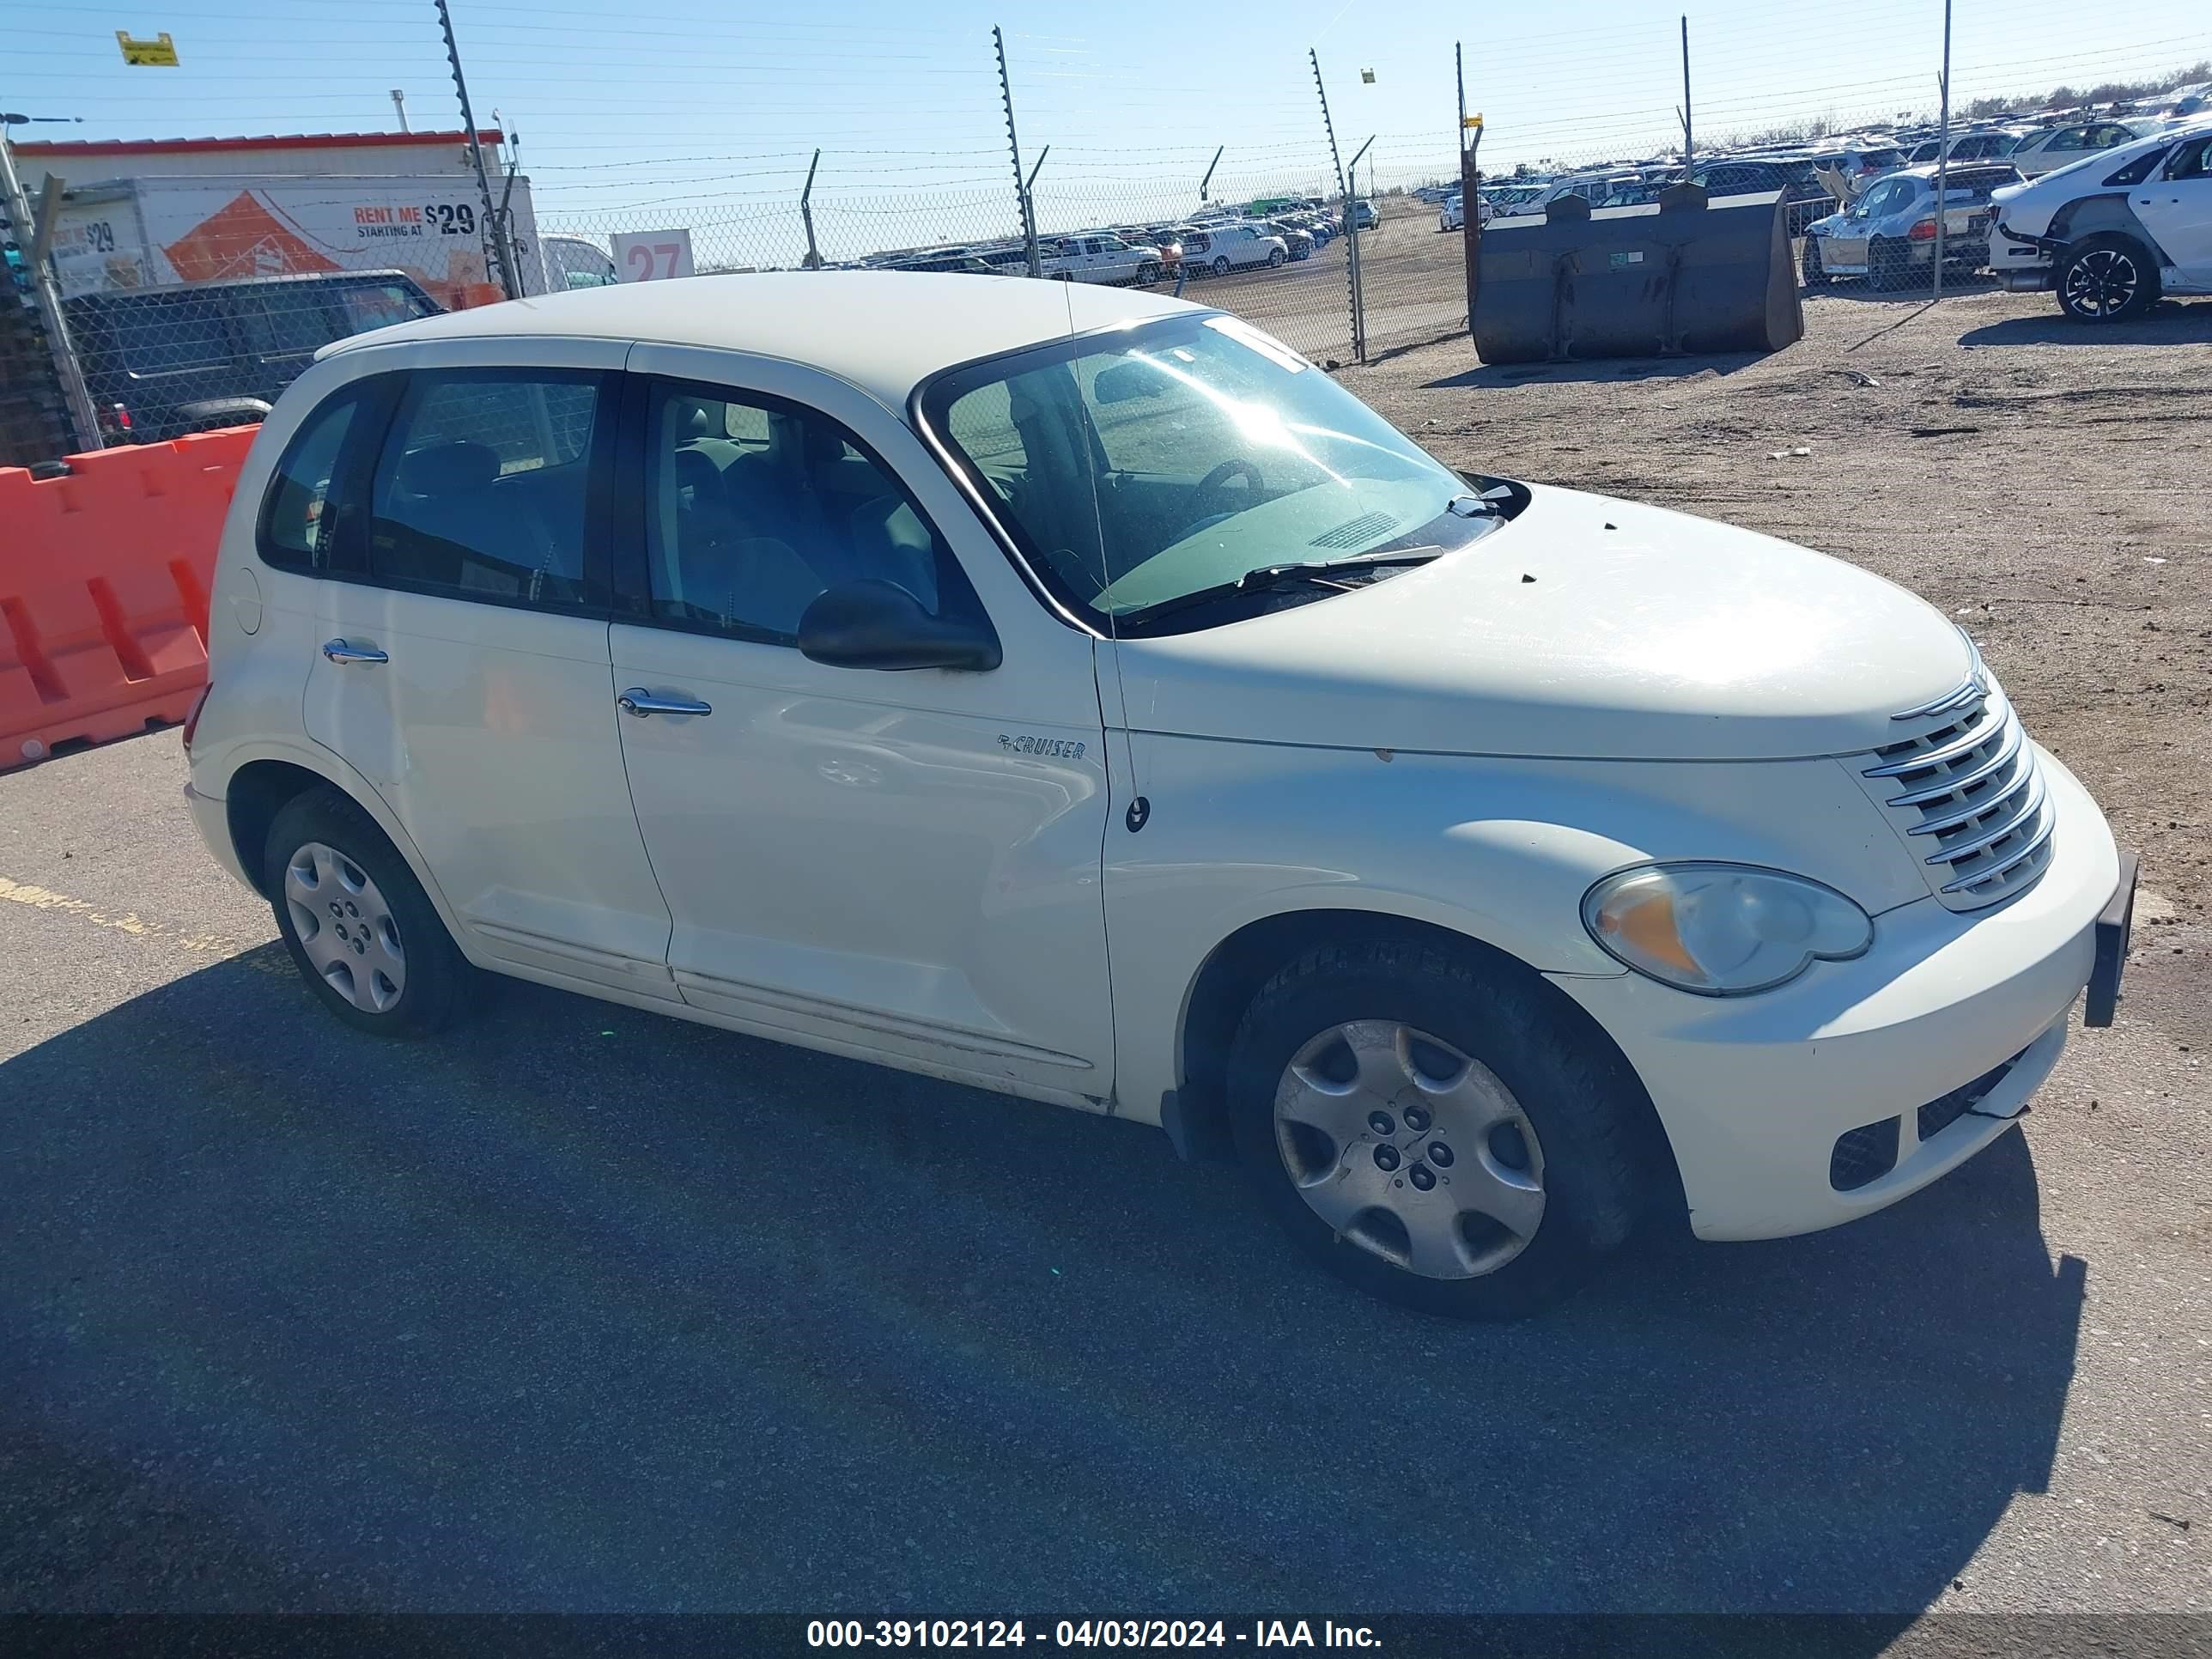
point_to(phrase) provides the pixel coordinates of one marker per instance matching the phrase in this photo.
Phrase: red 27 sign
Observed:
(652, 256)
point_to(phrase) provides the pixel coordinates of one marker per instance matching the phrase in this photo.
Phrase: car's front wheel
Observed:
(1221, 264)
(1816, 272)
(359, 927)
(1437, 1135)
(1275, 256)
(1147, 274)
(2106, 279)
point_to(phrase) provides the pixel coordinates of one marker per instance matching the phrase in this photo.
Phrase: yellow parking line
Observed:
(130, 922)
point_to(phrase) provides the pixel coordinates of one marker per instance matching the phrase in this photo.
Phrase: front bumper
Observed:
(1755, 1091)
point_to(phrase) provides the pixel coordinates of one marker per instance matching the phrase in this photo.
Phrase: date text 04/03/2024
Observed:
(1084, 1633)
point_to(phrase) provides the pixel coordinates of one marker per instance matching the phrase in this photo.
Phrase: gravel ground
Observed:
(585, 1308)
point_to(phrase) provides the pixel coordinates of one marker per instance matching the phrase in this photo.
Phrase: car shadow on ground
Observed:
(1686, 367)
(581, 1308)
(2172, 322)
(1919, 292)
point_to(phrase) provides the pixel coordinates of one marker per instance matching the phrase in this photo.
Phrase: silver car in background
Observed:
(1888, 235)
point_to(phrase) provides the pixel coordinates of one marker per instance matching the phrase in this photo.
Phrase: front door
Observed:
(2175, 207)
(463, 666)
(901, 866)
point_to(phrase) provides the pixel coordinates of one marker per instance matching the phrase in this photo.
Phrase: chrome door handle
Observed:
(640, 702)
(340, 653)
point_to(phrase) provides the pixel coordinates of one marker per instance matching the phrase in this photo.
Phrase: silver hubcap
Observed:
(1410, 1150)
(345, 928)
(2101, 283)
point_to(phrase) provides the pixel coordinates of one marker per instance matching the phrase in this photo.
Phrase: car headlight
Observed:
(1722, 930)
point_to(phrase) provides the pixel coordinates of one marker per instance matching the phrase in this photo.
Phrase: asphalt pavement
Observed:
(580, 1308)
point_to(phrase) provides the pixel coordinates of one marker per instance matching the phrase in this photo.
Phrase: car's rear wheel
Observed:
(359, 927)
(2106, 279)
(1221, 264)
(1816, 273)
(1438, 1136)
(1886, 264)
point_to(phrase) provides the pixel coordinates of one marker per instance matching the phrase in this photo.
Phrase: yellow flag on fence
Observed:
(1472, 122)
(160, 52)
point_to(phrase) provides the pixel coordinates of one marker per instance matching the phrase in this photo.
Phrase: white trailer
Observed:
(147, 232)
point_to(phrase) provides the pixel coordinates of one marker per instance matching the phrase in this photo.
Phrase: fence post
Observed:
(82, 419)
(1343, 196)
(1210, 167)
(1689, 148)
(1942, 153)
(806, 213)
(502, 251)
(1359, 285)
(1014, 147)
(1470, 191)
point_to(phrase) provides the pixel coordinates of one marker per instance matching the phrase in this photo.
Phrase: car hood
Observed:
(1585, 627)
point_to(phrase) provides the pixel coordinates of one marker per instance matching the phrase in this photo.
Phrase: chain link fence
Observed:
(206, 327)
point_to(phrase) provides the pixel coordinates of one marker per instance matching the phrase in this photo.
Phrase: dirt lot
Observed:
(585, 1309)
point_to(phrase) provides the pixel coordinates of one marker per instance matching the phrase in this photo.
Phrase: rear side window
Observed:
(380, 307)
(480, 488)
(2140, 168)
(285, 322)
(299, 515)
(171, 335)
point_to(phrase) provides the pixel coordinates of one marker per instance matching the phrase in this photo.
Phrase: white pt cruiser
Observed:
(1077, 694)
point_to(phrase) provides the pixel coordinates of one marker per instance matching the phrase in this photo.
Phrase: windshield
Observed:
(1142, 466)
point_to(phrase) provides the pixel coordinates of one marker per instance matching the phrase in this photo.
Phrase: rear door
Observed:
(464, 666)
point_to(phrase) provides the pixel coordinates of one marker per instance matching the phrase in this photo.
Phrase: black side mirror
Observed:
(1123, 382)
(878, 624)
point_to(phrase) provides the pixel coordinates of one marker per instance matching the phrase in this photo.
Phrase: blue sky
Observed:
(705, 110)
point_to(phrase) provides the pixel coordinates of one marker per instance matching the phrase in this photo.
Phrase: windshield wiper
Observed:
(1322, 573)
(1321, 569)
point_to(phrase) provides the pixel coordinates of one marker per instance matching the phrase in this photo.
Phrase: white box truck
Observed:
(150, 231)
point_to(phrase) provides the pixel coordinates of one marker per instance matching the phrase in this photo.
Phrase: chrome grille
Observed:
(1967, 795)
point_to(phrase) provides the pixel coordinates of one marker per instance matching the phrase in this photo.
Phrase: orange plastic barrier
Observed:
(104, 579)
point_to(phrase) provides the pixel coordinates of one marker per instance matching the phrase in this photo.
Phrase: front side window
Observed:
(756, 508)
(1137, 467)
(2191, 161)
(480, 489)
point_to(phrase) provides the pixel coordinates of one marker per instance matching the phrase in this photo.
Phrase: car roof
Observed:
(885, 331)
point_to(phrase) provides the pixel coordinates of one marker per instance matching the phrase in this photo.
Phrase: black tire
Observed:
(1816, 273)
(1147, 274)
(1275, 258)
(1578, 1098)
(1221, 264)
(436, 975)
(2104, 279)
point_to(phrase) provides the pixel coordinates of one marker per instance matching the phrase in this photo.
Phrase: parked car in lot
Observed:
(1888, 235)
(189, 356)
(1233, 244)
(2115, 230)
(1980, 144)
(2050, 148)
(1100, 257)
(1805, 197)
(756, 649)
(1363, 216)
(1298, 244)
